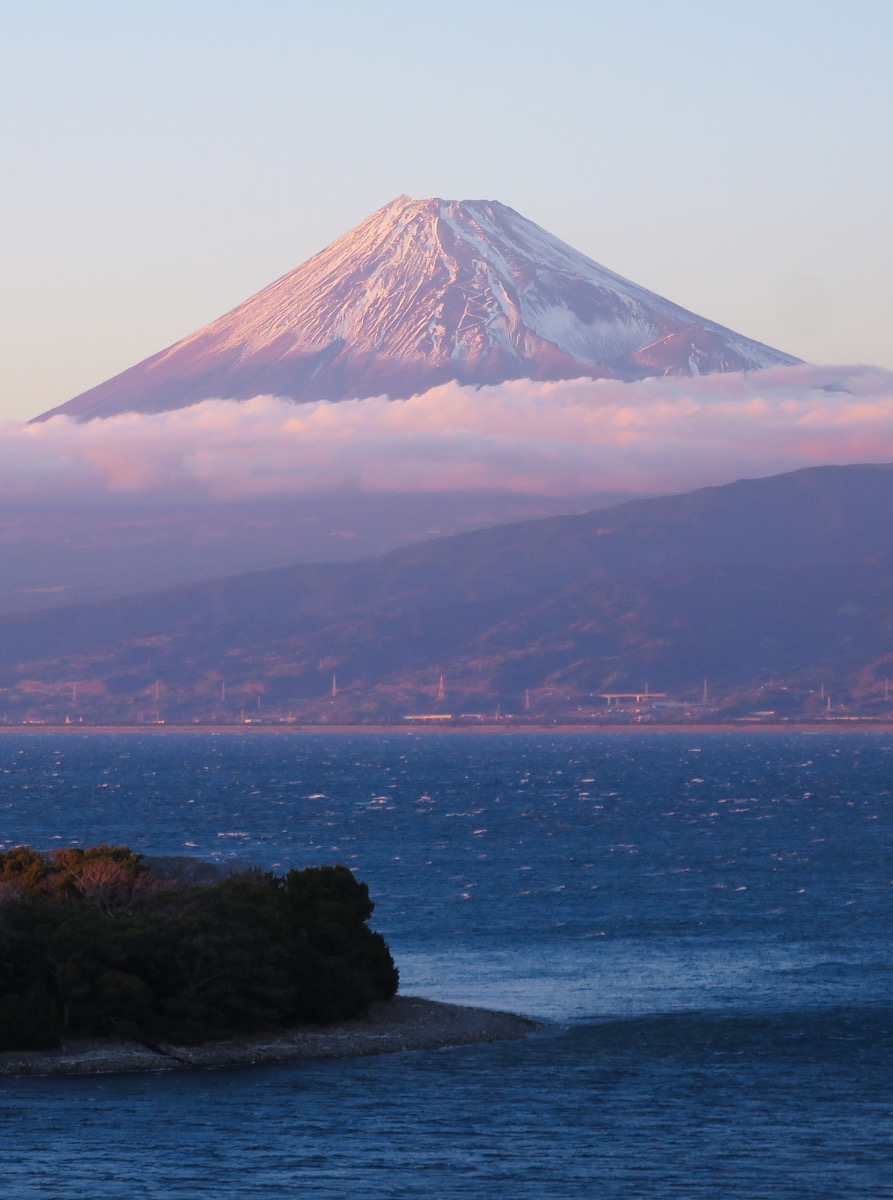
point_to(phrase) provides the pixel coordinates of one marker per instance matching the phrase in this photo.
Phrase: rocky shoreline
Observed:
(391, 1027)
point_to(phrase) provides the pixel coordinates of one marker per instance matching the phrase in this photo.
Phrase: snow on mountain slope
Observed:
(421, 292)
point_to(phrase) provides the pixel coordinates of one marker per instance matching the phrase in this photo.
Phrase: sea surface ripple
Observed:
(703, 919)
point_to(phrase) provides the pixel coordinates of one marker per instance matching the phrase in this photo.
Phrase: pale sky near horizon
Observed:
(163, 161)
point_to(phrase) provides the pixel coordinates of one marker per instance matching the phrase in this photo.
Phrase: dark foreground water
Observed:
(705, 920)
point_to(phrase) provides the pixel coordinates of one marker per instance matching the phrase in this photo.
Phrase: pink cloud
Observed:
(561, 438)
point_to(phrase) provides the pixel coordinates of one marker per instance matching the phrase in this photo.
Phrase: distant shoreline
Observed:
(843, 725)
(391, 1027)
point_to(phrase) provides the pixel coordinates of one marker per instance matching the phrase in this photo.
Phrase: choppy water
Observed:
(706, 919)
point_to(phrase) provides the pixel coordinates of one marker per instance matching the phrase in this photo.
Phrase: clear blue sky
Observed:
(162, 161)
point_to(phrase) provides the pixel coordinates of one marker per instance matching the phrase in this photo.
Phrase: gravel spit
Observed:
(390, 1027)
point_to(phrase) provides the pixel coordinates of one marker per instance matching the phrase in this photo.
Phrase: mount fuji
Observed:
(420, 293)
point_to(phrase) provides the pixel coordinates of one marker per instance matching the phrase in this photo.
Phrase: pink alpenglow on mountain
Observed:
(422, 292)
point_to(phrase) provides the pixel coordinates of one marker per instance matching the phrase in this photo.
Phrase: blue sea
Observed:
(702, 920)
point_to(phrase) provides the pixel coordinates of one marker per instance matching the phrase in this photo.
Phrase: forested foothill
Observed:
(778, 592)
(101, 942)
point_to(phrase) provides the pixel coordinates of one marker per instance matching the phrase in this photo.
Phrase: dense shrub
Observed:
(95, 943)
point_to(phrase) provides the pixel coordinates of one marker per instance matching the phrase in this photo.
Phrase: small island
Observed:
(110, 961)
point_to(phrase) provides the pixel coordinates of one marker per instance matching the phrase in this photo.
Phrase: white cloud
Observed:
(563, 438)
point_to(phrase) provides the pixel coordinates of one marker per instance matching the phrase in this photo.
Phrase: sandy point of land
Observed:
(391, 1027)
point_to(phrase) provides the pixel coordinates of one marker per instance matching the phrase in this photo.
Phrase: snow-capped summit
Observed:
(422, 292)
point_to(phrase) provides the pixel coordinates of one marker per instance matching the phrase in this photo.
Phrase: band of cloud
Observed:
(562, 438)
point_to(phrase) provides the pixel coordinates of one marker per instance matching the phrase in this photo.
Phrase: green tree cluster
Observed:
(93, 943)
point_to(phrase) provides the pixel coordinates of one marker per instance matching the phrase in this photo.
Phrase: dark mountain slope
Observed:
(789, 575)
